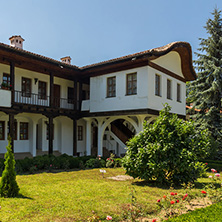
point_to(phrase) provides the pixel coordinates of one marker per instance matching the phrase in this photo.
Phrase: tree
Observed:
(167, 151)
(8, 185)
(206, 91)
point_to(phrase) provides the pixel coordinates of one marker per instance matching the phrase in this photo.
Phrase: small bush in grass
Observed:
(8, 185)
(95, 163)
(167, 151)
(110, 162)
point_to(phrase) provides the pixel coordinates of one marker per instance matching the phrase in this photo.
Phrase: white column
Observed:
(140, 123)
(88, 136)
(100, 138)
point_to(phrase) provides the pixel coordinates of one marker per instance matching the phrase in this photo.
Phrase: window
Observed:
(70, 95)
(14, 130)
(80, 132)
(131, 84)
(42, 90)
(178, 93)
(2, 130)
(24, 131)
(6, 82)
(26, 87)
(157, 85)
(169, 89)
(111, 86)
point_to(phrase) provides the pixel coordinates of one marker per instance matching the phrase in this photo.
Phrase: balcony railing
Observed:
(40, 100)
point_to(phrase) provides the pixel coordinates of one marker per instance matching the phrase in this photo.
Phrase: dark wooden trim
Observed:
(74, 137)
(124, 112)
(12, 81)
(11, 129)
(75, 95)
(80, 95)
(51, 90)
(50, 128)
(166, 71)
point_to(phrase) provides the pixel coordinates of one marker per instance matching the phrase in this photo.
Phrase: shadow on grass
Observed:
(197, 185)
(21, 196)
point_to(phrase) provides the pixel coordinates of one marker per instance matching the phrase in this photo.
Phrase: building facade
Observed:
(51, 106)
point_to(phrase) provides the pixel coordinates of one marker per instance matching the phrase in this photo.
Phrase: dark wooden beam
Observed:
(166, 71)
(75, 95)
(50, 131)
(74, 137)
(51, 85)
(11, 129)
(12, 81)
(80, 95)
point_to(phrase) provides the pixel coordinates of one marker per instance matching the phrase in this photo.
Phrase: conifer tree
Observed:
(8, 185)
(206, 91)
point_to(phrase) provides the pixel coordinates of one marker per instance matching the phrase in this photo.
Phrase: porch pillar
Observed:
(11, 129)
(33, 139)
(100, 138)
(74, 137)
(50, 131)
(88, 136)
(51, 93)
(12, 81)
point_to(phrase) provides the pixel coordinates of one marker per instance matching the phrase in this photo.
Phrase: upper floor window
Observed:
(131, 84)
(169, 89)
(42, 90)
(24, 131)
(111, 86)
(157, 85)
(6, 81)
(178, 92)
(2, 130)
(70, 95)
(26, 87)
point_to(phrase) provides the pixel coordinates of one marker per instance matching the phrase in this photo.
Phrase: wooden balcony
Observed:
(42, 101)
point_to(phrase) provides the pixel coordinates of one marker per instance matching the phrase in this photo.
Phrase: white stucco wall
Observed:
(98, 92)
(156, 102)
(170, 61)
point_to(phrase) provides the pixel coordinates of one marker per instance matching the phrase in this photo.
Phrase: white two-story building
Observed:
(51, 106)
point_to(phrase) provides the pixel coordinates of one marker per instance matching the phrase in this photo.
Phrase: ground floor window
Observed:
(80, 132)
(2, 130)
(24, 131)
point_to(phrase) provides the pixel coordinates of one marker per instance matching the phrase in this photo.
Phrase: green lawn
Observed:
(72, 196)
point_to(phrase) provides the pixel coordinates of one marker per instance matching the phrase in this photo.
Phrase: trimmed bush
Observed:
(8, 185)
(95, 163)
(167, 151)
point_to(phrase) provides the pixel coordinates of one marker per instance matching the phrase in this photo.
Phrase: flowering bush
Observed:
(167, 151)
(110, 162)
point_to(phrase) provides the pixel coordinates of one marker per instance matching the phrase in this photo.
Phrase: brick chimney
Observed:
(66, 59)
(16, 41)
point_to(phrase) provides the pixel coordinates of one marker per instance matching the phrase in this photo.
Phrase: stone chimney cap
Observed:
(66, 59)
(16, 36)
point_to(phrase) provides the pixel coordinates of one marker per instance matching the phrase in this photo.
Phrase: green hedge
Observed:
(215, 164)
(211, 213)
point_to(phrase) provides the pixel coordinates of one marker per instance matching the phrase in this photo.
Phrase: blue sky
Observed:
(91, 31)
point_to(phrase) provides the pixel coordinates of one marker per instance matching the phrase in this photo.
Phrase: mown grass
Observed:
(72, 196)
(208, 214)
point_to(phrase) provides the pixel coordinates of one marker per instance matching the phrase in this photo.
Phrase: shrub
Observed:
(8, 185)
(110, 163)
(167, 151)
(95, 163)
